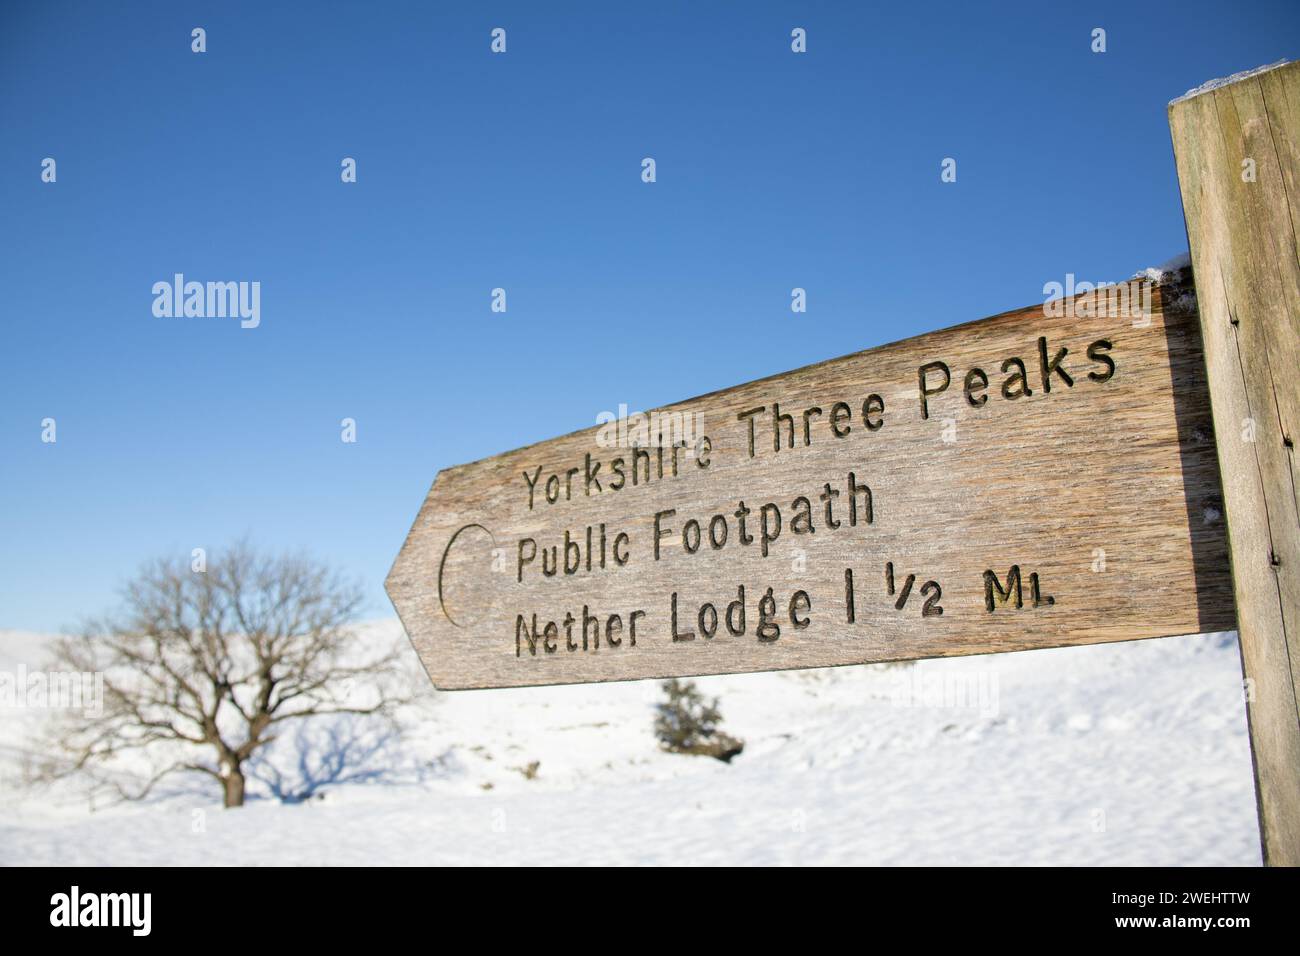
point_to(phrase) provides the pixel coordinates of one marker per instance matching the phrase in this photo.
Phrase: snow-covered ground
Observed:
(1113, 754)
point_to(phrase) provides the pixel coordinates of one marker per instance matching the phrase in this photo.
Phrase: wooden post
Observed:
(1237, 146)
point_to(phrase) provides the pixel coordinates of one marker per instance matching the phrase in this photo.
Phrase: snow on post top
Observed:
(1166, 273)
(1209, 85)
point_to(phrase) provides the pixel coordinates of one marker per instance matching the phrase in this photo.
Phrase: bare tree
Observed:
(202, 669)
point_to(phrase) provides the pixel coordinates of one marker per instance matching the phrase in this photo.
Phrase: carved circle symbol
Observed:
(466, 574)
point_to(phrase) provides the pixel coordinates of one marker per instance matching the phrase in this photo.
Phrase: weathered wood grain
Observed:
(1243, 244)
(1106, 490)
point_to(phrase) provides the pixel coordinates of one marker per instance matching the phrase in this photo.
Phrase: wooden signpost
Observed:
(1238, 152)
(1029, 480)
(1041, 478)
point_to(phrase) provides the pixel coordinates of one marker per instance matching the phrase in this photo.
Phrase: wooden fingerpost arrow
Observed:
(1237, 145)
(1040, 478)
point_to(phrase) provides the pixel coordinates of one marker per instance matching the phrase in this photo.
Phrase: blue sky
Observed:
(519, 171)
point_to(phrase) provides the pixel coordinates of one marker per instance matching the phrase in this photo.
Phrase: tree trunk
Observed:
(234, 788)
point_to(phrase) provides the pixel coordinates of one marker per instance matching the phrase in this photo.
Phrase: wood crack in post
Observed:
(1277, 156)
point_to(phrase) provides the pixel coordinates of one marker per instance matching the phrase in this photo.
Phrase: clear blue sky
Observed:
(522, 171)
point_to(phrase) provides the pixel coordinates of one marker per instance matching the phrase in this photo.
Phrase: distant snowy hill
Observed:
(1113, 754)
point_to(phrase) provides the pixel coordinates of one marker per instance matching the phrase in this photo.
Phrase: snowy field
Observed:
(1114, 754)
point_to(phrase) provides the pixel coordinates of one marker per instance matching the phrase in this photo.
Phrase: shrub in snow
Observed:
(687, 723)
